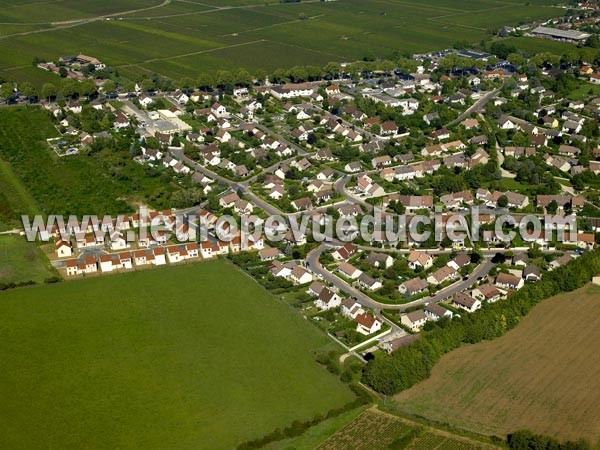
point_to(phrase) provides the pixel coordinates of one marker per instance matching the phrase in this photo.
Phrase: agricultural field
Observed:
(178, 38)
(377, 430)
(539, 376)
(164, 358)
(21, 261)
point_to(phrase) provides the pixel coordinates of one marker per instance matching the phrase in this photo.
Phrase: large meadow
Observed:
(195, 356)
(178, 38)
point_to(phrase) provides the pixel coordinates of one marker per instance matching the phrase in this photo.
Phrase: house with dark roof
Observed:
(434, 311)
(465, 301)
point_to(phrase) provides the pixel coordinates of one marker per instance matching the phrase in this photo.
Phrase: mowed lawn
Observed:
(22, 261)
(543, 375)
(190, 357)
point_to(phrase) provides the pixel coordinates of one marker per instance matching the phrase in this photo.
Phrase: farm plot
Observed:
(539, 376)
(377, 430)
(27, 12)
(182, 38)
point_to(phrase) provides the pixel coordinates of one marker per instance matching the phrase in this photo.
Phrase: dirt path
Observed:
(77, 22)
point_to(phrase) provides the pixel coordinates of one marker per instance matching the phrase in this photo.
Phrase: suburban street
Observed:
(312, 262)
(475, 107)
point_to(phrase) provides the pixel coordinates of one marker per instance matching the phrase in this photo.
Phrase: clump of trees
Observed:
(525, 440)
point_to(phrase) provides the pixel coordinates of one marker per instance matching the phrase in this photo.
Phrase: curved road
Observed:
(312, 261)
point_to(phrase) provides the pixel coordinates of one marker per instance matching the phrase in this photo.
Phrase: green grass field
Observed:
(195, 356)
(530, 46)
(15, 200)
(21, 261)
(180, 38)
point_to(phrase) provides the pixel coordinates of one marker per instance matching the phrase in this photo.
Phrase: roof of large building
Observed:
(563, 34)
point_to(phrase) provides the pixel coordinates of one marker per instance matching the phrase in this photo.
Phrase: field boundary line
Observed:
(470, 12)
(77, 22)
(167, 58)
(306, 48)
(225, 8)
(427, 7)
(271, 26)
(456, 25)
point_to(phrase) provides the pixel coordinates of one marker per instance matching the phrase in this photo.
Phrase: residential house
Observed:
(345, 252)
(419, 259)
(300, 275)
(464, 301)
(509, 281)
(269, 254)
(349, 271)
(368, 283)
(413, 287)
(328, 300)
(367, 324)
(434, 311)
(380, 260)
(441, 275)
(414, 320)
(351, 308)
(486, 292)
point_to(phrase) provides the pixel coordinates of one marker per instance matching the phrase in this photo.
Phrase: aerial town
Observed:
(338, 148)
(485, 158)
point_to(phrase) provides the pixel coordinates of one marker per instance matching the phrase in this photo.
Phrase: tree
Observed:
(205, 81)
(87, 87)
(186, 83)
(48, 90)
(278, 75)
(28, 90)
(224, 77)
(593, 41)
(128, 86)
(243, 78)
(552, 207)
(503, 201)
(501, 49)
(6, 91)
(62, 72)
(407, 65)
(332, 69)
(298, 73)
(516, 60)
(69, 87)
(147, 85)
(109, 86)
(260, 75)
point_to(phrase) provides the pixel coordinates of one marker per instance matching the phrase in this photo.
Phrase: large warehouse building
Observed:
(560, 35)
